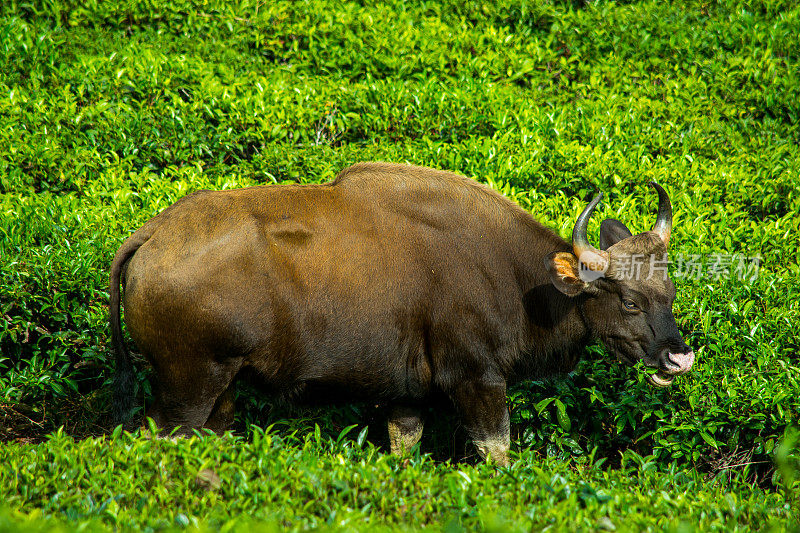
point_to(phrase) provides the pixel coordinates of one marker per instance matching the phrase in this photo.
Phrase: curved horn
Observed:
(589, 256)
(663, 226)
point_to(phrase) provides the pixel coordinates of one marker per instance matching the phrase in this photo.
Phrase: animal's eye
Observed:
(629, 304)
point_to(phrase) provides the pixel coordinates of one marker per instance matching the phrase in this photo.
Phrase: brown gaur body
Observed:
(392, 283)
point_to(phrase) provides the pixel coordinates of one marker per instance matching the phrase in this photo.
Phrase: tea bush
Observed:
(279, 479)
(111, 111)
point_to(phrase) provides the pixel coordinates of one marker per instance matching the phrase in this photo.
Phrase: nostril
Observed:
(681, 363)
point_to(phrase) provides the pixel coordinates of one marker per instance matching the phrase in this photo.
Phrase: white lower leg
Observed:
(405, 429)
(495, 448)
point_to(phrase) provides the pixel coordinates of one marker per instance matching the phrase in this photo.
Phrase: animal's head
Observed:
(628, 293)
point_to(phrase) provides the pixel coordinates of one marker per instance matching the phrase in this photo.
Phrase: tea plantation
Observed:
(111, 111)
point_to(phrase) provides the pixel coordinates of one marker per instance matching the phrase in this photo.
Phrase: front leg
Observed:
(482, 406)
(405, 428)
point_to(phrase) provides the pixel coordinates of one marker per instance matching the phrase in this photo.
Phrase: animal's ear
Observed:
(564, 273)
(611, 232)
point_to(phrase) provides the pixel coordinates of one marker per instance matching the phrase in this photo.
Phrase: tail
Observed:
(124, 376)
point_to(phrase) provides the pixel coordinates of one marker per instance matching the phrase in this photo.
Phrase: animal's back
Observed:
(434, 197)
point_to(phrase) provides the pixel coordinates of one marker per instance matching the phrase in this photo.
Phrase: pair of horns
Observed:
(581, 246)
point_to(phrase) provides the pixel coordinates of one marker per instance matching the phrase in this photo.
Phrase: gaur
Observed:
(393, 284)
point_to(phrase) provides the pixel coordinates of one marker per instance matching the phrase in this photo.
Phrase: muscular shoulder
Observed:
(399, 184)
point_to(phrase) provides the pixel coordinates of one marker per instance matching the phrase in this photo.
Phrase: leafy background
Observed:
(109, 112)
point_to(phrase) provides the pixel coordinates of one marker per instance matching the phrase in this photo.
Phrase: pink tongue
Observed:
(683, 361)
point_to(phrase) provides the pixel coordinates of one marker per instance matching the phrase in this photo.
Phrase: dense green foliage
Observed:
(110, 111)
(282, 479)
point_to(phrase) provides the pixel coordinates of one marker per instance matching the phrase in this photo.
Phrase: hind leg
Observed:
(405, 429)
(188, 393)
